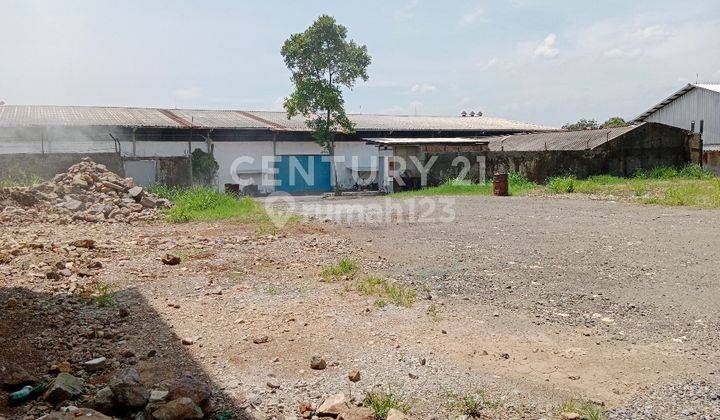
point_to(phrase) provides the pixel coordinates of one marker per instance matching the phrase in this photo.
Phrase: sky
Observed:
(546, 62)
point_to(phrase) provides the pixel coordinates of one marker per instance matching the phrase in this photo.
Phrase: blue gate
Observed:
(302, 174)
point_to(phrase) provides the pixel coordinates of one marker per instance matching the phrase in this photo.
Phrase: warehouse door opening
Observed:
(303, 174)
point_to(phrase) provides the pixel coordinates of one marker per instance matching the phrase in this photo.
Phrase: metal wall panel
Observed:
(695, 105)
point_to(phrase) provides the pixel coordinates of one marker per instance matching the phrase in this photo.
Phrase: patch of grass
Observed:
(345, 267)
(386, 291)
(562, 184)
(104, 295)
(587, 410)
(204, 203)
(517, 185)
(20, 181)
(470, 404)
(382, 402)
(690, 186)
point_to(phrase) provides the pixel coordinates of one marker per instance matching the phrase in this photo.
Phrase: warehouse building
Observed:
(153, 145)
(618, 151)
(694, 107)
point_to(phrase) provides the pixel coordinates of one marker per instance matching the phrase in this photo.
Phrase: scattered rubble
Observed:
(88, 191)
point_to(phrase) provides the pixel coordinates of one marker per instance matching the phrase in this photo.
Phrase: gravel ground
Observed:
(535, 301)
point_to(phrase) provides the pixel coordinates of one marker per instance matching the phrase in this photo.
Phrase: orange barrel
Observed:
(500, 184)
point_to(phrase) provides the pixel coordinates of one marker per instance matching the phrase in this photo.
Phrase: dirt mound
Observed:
(87, 191)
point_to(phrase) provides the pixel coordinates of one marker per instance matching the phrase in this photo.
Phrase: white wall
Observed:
(695, 105)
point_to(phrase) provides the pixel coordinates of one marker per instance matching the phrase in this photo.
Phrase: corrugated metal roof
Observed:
(374, 122)
(426, 140)
(557, 140)
(715, 87)
(37, 115)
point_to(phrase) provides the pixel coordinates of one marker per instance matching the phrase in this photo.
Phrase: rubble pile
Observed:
(88, 191)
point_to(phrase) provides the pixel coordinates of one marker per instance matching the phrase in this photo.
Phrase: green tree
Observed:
(582, 124)
(322, 62)
(614, 122)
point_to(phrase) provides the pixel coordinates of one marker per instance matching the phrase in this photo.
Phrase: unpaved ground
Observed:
(613, 302)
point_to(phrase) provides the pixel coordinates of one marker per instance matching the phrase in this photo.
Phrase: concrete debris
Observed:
(63, 388)
(86, 192)
(128, 390)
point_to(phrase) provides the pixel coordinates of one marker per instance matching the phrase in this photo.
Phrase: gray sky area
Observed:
(545, 62)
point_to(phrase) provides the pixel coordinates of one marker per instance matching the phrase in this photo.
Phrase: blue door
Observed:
(303, 174)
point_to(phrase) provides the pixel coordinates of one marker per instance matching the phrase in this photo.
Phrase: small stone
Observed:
(187, 386)
(170, 259)
(157, 395)
(64, 387)
(96, 364)
(261, 340)
(504, 355)
(188, 341)
(574, 377)
(126, 352)
(104, 399)
(181, 408)
(357, 413)
(318, 363)
(395, 414)
(128, 390)
(273, 384)
(83, 243)
(135, 192)
(14, 376)
(73, 205)
(570, 416)
(123, 312)
(354, 376)
(333, 405)
(412, 375)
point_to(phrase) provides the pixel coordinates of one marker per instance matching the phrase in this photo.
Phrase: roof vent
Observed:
(472, 113)
(2, 103)
(463, 114)
(478, 114)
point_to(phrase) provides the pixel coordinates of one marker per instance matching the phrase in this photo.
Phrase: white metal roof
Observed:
(425, 140)
(715, 87)
(39, 115)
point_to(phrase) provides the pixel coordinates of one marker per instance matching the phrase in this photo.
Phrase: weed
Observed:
(470, 404)
(562, 184)
(380, 303)
(390, 291)
(639, 189)
(272, 290)
(204, 203)
(434, 313)
(659, 172)
(345, 267)
(587, 410)
(695, 171)
(104, 295)
(20, 181)
(518, 185)
(382, 402)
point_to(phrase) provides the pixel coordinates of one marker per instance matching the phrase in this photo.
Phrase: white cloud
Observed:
(407, 11)
(189, 93)
(623, 53)
(422, 88)
(547, 48)
(471, 16)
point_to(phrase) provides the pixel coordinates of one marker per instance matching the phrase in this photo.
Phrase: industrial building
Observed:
(152, 145)
(694, 107)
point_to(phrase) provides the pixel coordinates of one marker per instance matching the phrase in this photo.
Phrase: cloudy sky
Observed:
(539, 61)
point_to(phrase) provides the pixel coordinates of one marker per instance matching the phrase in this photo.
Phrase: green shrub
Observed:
(562, 184)
(386, 291)
(345, 267)
(20, 181)
(587, 410)
(695, 171)
(659, 172)
(382, 402)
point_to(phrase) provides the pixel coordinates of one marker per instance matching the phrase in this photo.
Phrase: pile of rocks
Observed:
(87, 191)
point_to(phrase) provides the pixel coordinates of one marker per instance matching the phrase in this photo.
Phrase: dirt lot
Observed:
(533, 300)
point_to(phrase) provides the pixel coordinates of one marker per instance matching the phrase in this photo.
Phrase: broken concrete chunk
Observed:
(333, 405)
(135, 193)
(63, 387)
(181, 408)
(187, 386)
(73, 204)
(95, 364)
(127, 389)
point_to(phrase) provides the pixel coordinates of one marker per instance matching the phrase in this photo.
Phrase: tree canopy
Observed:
(584, 124)
(322, 62)
(614, 122)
